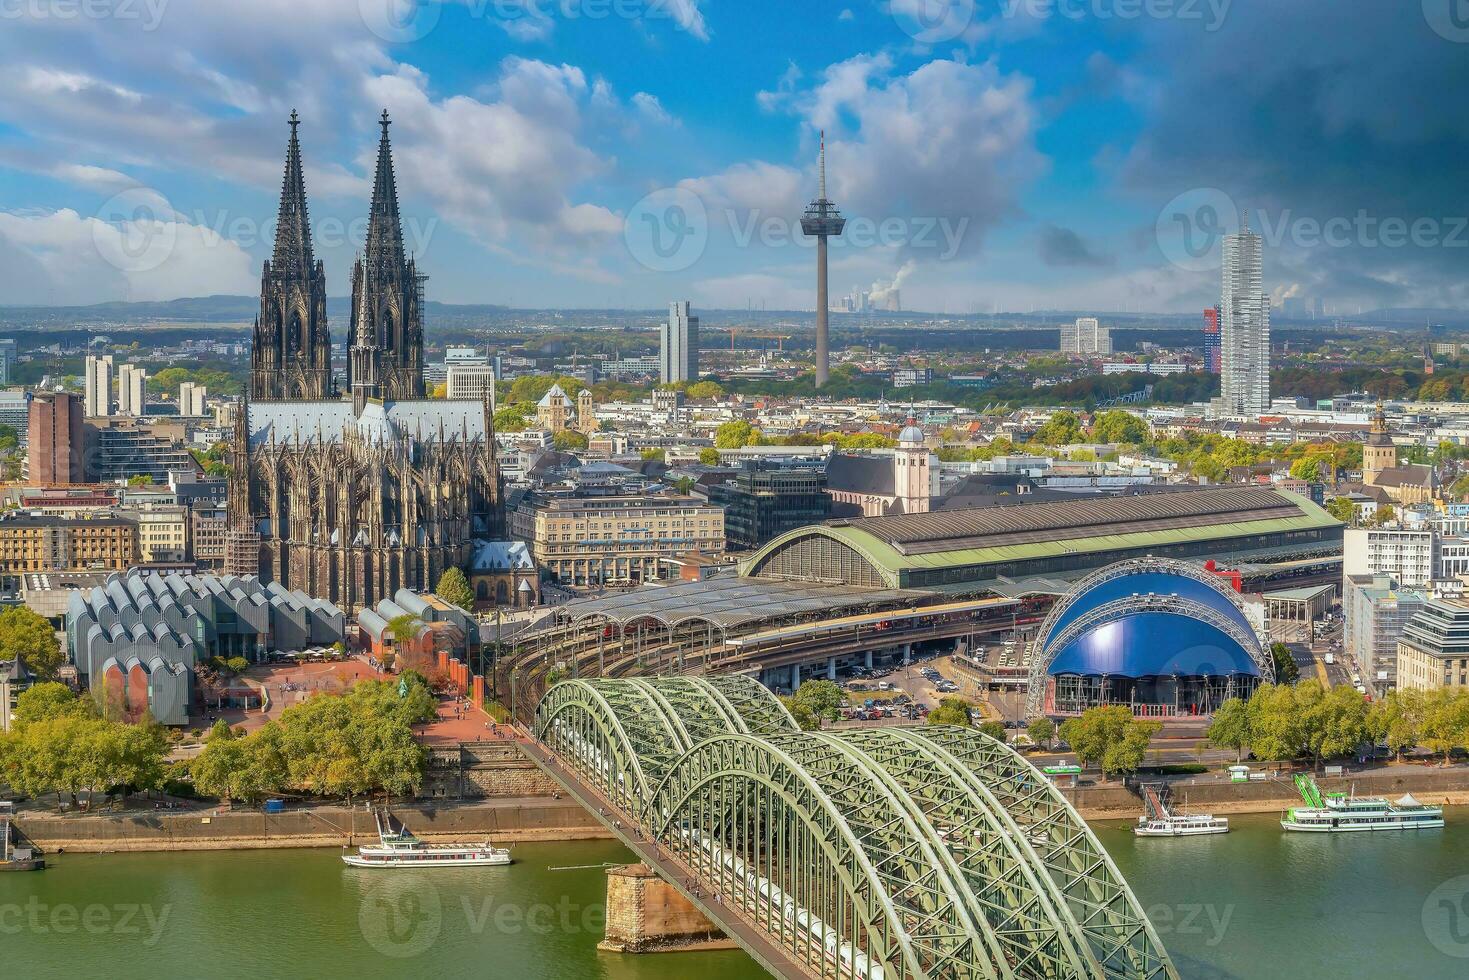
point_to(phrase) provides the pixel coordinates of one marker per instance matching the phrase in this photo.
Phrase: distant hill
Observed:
(203, 309)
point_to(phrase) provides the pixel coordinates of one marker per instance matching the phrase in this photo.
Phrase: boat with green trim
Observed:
(1335, 813)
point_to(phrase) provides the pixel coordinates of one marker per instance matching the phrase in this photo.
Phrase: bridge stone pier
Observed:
(879, 854)
(645, 914)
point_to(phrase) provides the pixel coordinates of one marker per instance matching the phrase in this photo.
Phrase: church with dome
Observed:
(875, 486)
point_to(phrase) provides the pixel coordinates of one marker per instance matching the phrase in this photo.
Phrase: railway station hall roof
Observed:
(730, 602)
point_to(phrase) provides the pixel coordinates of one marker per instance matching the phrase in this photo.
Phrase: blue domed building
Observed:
(1164, 637)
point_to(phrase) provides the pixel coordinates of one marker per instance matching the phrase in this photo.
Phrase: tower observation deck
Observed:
(822, 220)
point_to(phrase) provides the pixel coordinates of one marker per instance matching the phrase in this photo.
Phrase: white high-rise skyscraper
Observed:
(97, 398)
(132, 385)
(1244, 328)
(679, 345)
(1086, 336)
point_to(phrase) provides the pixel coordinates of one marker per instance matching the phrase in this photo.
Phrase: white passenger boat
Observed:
(399, 848)
(1159, 820)
(1337, 813)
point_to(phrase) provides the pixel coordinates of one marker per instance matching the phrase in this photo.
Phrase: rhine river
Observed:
(1253, 903)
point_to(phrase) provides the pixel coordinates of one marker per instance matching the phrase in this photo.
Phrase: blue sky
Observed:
(989, 154)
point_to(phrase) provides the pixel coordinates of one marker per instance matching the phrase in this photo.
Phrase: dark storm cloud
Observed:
(1062, 247)
(1313, 111)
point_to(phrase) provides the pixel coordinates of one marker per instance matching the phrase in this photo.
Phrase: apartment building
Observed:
(30, 543)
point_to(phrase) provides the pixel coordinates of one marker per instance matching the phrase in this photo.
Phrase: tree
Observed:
(653, 455)
(1062, 429)
(1118, 426)
(405, 628)
(1342, 509)
(24, 634)
(1128, 754)
(569, 440)
(1396, 720)
(822, 698)
(1383, 515)
(805, 718)
(1335, 721)
(709, 456)
(454, 588)
(1287, 671)
(42, 702)
(704, 389)
(1315, 468)
(1230, 728)
(1445, 722)
(736, 435)
(1110, 737)
(1042, 731)
(995, 730)
(951, 711)
(1276, 730)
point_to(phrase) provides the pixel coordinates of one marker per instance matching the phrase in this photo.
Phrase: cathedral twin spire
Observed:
(291, 347)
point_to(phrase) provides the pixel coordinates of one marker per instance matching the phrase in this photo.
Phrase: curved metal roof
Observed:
(1154, 643)
(1145, 581)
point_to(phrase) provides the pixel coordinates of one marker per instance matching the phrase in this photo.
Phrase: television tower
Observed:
(822, 219)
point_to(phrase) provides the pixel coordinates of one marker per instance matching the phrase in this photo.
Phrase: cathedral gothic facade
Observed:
(351, 496)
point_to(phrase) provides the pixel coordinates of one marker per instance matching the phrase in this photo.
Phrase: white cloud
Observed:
(68, 259)
(504, 165)
(648, 105)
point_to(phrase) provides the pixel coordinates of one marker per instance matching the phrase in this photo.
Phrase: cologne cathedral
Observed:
(351, 495)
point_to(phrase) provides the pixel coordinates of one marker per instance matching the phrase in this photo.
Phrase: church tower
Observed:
(912, 472)
(1379, 453)
(385, 336)
(291, 351)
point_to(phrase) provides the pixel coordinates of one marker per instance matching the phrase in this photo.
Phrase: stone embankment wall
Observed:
(487, 790)
(484, 770)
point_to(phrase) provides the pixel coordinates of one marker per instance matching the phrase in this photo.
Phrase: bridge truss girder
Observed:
(891, 853)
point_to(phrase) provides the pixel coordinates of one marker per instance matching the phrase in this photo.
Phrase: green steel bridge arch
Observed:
(880, 854)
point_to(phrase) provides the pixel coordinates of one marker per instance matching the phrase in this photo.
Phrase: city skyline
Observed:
(1024, 160)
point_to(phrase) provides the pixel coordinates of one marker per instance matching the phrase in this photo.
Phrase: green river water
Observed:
(1253, 903)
